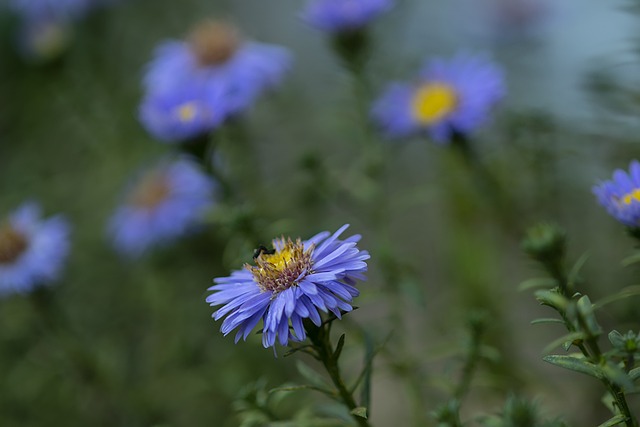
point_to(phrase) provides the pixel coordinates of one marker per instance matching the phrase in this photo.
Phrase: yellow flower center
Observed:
(12, 244)
(628, 198)
(152, 190)
(432, 102)
(187, 111)
(279, 271)
(214, 43)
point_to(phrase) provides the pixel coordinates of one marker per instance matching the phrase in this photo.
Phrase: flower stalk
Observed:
(329, 356)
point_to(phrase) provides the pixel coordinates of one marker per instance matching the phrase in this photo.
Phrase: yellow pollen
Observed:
(279, 260)
(432, 102)
(281, 270)
(630, 197)
(12, 244)
(187, 112)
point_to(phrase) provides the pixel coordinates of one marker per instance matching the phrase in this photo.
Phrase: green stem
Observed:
(321, 341)
(592, 350)
(503, 207)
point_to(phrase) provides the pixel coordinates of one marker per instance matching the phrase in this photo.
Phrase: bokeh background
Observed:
(131, 342)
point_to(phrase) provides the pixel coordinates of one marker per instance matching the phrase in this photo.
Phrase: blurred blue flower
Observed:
(32, 250)
(448, 96)
(337, 16)
(621, 196)
(178, 115)
(289, 285)
(163, 204)
(39, 10)
(215, 58)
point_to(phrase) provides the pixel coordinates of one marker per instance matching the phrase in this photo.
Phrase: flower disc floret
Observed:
(283, 269)
(620, 196)
(298, 281)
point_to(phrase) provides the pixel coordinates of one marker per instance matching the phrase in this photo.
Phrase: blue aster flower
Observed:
(163, 204)
(180, 114)
(336, 16)
(215, 57)
(621, 196)
(292, 282)
(449, 96)
(32, 249)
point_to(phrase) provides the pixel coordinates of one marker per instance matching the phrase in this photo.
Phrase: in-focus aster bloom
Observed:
(32, 250)
(336, 16)
(230, 72)
(166, 202)
(291, 284)
(449, 96)
(621, 196)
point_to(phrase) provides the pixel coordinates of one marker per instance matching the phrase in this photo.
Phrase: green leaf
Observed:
(547, 320)
(360, 411)
(574, 364)
(312, 376)
(616, 339)
(585, 309)
(568, 338)
(624, 293)
(285, 388)
(370, 353)
(618, 419)
(631, 259)
(303, 348)
(338, 350)
(573, 278)
(552, 299)
(617, 376)
(634, 374)
(540, 282)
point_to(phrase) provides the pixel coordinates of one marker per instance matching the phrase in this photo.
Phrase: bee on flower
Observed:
(295, 280)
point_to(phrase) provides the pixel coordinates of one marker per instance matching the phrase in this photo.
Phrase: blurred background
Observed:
(131, 342)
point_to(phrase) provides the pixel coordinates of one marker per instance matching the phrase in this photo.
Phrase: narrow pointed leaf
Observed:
(336, 353)
(312, 376)
(569, 338)
(634, 374)
(552, 299)
(370, 353)
(573, 277)
(574, 364)
(631, 259)
(360, 411)
(616, 420)
(329, 393)
(538, 283)
(624, 293)
(547, 320)
(585, 308)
